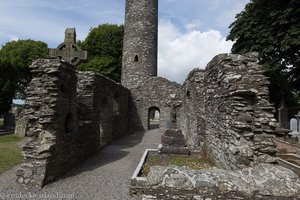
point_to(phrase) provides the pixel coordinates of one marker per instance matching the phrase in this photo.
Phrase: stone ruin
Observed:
(226, 109)
(223, 110)
(70, 116)
(225, 113)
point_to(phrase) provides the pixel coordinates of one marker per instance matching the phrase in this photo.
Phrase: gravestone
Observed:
(293, 127)
(283, 116)
(21, 124)
(69, 51)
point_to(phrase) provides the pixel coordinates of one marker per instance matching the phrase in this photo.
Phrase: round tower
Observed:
(140, 42)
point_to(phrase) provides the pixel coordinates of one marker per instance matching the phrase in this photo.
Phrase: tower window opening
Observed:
(136, 58)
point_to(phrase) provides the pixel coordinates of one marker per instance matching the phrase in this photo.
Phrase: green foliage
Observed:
(10, 153)
(272, 28)
(104, 45)
(15, 57)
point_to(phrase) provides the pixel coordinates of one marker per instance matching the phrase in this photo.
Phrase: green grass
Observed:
(1, 123)
(195, 162)
(10, 153)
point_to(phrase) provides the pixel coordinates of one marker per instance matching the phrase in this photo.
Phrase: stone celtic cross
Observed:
(69, 51)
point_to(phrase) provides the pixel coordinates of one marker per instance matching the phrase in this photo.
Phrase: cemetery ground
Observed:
(10, 152)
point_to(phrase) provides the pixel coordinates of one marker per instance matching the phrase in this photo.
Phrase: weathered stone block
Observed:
(172, 141)
(174, 150)
(250, 183)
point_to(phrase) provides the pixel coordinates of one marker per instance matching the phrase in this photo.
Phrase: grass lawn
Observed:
(1, 123)
(10, 153)
(196, 162)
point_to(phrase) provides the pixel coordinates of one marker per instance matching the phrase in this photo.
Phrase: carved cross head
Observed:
(69, 51)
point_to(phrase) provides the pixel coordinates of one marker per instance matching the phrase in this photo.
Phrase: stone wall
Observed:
(264, 182)
(227, 112)
(156, 93)
(193, 109)
(51, 111)
(102, 103)
(69, 117)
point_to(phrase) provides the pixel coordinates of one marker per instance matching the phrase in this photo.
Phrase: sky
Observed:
(190, 32)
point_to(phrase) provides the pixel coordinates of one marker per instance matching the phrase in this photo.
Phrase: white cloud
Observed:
(180, 52)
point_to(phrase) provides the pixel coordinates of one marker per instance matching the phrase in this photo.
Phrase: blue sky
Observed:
(191, 32)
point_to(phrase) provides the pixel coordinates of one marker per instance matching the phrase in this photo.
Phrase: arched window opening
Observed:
(104, 101)
(188, 93)
(136, 58)
(69, 123)
(105, 122)
(116, 108)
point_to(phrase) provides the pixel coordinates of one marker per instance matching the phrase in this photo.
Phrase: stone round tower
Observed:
(140, 42)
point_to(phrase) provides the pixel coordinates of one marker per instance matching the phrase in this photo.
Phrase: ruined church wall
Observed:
(52, 146)
(102, 104)
(192, 120)
(70, 115)
(156, 92)
(235, 121)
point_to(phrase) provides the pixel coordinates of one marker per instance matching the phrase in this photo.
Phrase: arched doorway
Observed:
(153, 118)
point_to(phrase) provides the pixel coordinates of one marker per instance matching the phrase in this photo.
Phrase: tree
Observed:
(104, 45)
(15, 57)
(272, 28)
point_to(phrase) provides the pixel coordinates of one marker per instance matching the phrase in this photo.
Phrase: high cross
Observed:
(69, 51)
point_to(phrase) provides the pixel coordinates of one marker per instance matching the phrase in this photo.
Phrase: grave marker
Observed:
(283, 116)
(293, 127)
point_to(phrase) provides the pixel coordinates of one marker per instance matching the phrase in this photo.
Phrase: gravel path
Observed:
(104, 176)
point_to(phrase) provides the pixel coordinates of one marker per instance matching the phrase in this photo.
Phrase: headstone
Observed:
(69, 51)
(293, 127)
(156, 115)
(21, 124)
(283, 116)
